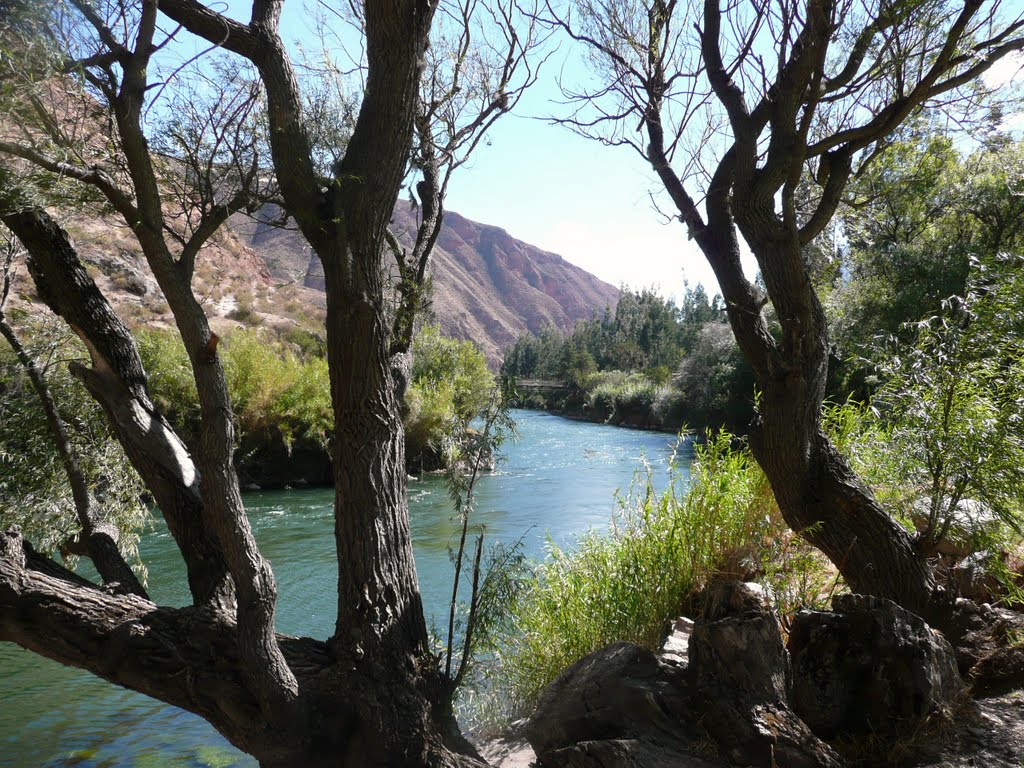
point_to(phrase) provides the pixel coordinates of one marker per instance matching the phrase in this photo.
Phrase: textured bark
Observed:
(378, 592)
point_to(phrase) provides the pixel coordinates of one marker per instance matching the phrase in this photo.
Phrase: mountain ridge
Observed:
(487, 285)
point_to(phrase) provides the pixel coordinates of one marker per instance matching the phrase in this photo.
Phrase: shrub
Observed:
(170, 377)
(271, 388)
(274, 389)
(450, 386)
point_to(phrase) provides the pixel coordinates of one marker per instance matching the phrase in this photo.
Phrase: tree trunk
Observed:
(823, 500)
(372, 695)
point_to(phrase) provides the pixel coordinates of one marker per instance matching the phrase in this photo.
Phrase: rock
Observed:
(621, 706)
(869, 666)
(998, 672)
(974, 578)
(969, 519)
(264, 458)
(741, 675)
(676, 647)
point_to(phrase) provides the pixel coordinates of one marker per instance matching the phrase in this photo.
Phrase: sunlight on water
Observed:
(558, 480)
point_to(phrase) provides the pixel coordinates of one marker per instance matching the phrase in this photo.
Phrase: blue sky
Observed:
(553, 189)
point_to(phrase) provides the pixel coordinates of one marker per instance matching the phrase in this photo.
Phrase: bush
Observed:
(271, 388)
(450, 386)
(170, 378)
(618, 397)
(275, 390)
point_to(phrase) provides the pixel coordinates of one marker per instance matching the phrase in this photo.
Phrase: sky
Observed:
(555, 190)
(589, 203)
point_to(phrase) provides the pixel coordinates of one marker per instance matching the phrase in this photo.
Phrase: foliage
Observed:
(618, 397)
(919, 218)
(496, 580)
(714, 381)
(450, 386)
(649, 364)
(34, 489)
(953, 401)
(271, 387)
(645, 331)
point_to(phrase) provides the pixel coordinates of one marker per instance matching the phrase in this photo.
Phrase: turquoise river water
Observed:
(558, 480)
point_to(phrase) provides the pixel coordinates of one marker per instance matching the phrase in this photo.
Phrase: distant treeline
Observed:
(649, 363)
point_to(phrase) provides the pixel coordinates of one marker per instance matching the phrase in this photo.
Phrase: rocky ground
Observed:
(989, 733)
(985, 732)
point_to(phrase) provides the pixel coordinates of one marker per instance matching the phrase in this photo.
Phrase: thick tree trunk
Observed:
(823, 500)
(372, 695)
(818, 494)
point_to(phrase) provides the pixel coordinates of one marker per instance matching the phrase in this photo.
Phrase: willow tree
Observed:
(371, 694)
(735, 108)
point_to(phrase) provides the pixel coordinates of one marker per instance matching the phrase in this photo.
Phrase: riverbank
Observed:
(574, 404)
(638, 400)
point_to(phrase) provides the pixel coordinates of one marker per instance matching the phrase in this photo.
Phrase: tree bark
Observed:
(823, 500)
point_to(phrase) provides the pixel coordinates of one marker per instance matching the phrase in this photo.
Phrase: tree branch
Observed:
(188, 657)
(290, 143)
(118, 383)
(100, 540)
(94, 176)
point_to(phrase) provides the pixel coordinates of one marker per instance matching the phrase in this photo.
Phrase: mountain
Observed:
(487, 285)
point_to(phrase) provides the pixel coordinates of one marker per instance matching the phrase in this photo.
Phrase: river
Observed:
(558, 480)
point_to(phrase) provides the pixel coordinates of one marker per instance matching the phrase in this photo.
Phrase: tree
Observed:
(737, 107)
(372, 694)
(913, 224)
(39, 449)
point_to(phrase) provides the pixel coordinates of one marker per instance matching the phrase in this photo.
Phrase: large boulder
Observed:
(625, 707)
(869, 666)
(741, 676)
(969, 521)
(620, 707)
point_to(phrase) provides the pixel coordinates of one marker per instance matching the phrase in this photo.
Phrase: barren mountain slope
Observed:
(487, 285)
